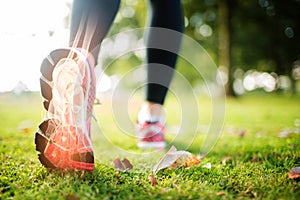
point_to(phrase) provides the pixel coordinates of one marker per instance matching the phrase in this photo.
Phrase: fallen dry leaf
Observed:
(152, 179)
(254, 159)
(174, 159)
(127, 164)
(242, 133)
(167, 160)
(118, 165)
(72, 197)
(220, 193)
(123, 165)
(185, 159)
(294, 173)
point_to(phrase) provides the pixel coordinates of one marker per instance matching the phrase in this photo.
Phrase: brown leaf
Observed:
(167, 160)
(220, 193)
(152, 179)
(72, 197)
(242, 133)
(118, 165)
(254, 159)
(186, 159)
(174, 159)
(294, 173)
(127, 164)
(123, 165)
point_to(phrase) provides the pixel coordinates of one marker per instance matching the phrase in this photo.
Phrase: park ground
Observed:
(259, 145)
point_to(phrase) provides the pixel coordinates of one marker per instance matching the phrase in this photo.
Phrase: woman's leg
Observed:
(166, 14)
(160, 63)
(90, 22)
(68, 87)
(163, 14)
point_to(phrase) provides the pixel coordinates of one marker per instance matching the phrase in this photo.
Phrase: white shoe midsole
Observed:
(149, 145)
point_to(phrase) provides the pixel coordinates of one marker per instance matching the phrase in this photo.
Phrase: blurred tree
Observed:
(265, 35)
(284, 17)
(262, 34)
(200, 18)
(201, 23)
(225, 43)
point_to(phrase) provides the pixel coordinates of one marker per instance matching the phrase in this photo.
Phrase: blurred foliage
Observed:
(264, 34)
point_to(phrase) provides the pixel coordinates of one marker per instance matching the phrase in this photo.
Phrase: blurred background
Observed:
(255, 44)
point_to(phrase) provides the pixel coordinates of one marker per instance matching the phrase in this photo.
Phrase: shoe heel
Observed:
(40, 145)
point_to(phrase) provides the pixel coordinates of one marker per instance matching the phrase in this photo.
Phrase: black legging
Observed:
(163, 14)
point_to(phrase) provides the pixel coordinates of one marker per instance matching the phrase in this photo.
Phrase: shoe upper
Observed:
(150, 135)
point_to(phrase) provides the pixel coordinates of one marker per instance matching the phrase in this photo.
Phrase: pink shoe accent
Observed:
(150, 135)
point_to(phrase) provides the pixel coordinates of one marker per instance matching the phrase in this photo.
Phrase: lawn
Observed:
(259, 145)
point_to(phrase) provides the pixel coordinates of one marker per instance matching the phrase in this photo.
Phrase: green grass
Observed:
(260, 159)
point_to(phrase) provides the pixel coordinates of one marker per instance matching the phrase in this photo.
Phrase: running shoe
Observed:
(150, 135)
(68, 86)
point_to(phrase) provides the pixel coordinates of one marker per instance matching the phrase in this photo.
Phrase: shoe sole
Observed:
(59, 146)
